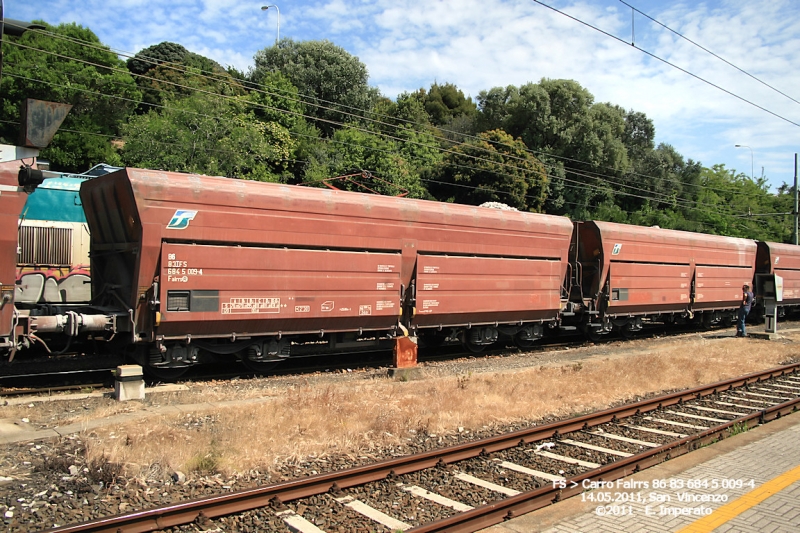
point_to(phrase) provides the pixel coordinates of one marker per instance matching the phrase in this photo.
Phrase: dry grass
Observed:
(355, 417)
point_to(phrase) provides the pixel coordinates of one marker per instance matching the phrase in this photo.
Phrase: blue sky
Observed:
(482, 44)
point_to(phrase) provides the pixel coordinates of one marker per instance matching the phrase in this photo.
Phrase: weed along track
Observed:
(473, 485)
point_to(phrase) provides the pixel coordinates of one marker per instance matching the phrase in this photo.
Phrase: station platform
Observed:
(747, 483)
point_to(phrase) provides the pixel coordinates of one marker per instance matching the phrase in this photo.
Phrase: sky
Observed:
(477, 45)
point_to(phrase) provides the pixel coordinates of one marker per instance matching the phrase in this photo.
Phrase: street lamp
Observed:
(751, 158)
(278, 34)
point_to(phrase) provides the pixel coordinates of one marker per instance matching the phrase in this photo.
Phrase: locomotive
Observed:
(188, 269)
(53, 255)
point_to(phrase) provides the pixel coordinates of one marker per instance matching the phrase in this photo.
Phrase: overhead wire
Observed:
(568, 182)
(703, 48)
(214, 76)
(572, 183)
(673, 65)
(340, 124)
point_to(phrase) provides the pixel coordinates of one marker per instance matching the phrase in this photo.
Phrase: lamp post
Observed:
(751, 157)
(278, 34)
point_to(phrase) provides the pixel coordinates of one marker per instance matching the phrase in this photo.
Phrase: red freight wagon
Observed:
(630, 271)
(783, 260)
(236, 266)
(12, 200)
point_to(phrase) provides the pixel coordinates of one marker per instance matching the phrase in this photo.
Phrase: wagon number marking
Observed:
(178, 271)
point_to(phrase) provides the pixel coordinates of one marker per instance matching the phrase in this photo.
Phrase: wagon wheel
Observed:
(626, 332)
(165, 374)
(592, 334)
(524, 343)
(260, 367)
(474, 348)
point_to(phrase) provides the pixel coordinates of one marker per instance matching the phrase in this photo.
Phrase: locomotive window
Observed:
(177, 300)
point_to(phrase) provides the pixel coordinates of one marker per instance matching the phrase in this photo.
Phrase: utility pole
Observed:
(796, 212)
(2, 30)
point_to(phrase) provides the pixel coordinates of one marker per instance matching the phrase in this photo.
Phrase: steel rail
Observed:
(236, 502)
(502, 510)
(48, 390)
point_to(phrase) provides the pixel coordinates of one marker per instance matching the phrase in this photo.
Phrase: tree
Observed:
(560, 119)
(408, 108)
(168, 70)
(206, 134)
(494, 107)
(443, 103)
(351, 151)
(734, 204)
(91, 78)
(333, 83)
(149, 58)
(492, 168)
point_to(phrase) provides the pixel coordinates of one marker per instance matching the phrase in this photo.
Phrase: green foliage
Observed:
(409, 107)
(492, 168)
(152, 56)
(208, 135)
(443, 103)
(639, 134)
(275, 99)
(94, 81)
(734, 204)
(351, 150)
(168, 70)
(333, 83)
(737, 428)
(560, 119)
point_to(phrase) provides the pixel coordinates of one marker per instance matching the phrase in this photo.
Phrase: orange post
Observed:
(405, 352)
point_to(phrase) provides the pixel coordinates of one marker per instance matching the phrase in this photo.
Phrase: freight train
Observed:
(187, 269)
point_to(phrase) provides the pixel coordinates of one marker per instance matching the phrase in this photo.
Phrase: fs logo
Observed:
(181, 219)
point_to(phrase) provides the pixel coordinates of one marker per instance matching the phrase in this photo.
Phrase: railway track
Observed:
(11, 393)
(21, 378)
(474, 485)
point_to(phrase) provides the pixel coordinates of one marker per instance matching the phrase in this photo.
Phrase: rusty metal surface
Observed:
(514, 288)
(321, 230)
(405, 353)
(187, 512)
(653, 269)
(283, 289)
(116, 239)
(783, 260)
(40, 121)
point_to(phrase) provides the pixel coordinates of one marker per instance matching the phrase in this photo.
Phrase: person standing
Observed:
(744, 308)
